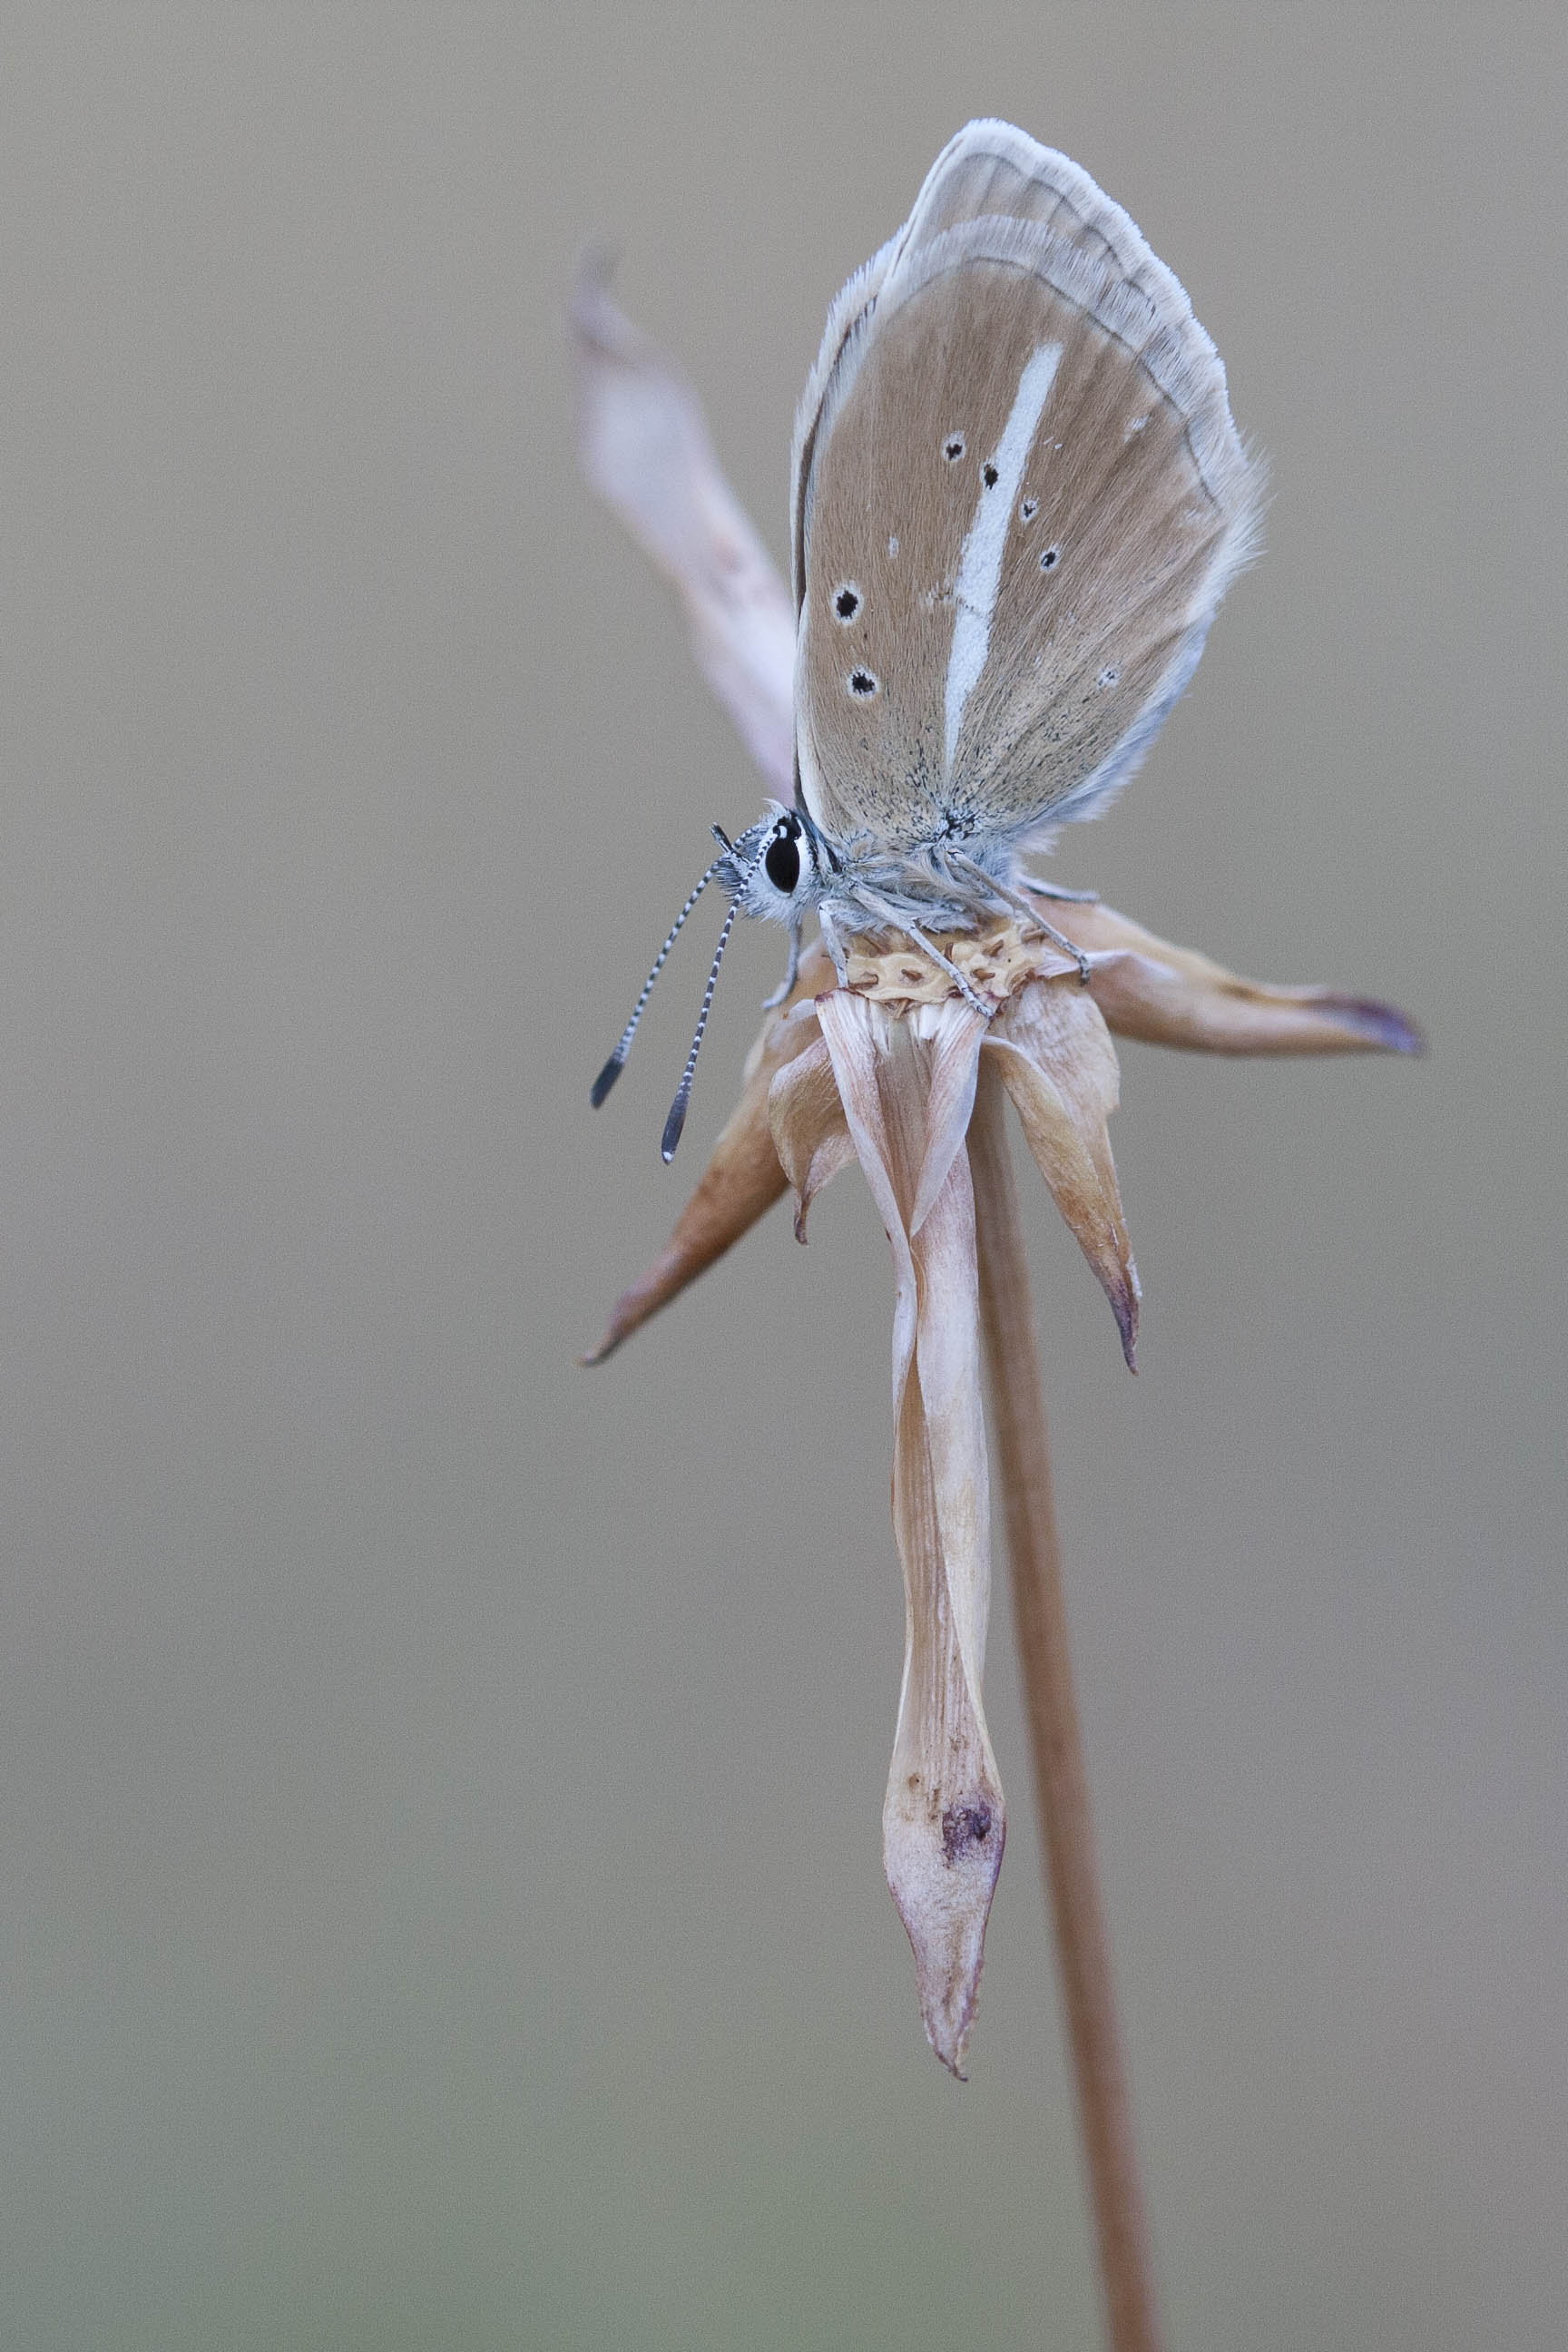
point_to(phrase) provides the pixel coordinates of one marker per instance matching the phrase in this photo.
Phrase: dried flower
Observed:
(886, 1069)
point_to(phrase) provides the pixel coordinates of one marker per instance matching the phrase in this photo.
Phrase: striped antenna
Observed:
(677, 1119)
(618, 1061)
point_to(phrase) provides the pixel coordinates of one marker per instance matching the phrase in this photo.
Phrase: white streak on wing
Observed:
(980, 565)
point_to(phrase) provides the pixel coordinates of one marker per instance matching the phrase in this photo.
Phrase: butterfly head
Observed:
(779, 868)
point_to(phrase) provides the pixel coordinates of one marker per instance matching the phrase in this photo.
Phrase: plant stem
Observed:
(1061, 1784)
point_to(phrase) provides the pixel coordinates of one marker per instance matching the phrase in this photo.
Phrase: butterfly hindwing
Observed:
(1019, 496)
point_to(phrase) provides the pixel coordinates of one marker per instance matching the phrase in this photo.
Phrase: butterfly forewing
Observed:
(1019, 497)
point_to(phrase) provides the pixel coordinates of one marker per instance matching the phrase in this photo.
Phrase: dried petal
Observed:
(743, 1179)
(645, 448)
(954, 1067)
(1054, 1054)
(943, 1824)
(811, 1134)
(1172, 996)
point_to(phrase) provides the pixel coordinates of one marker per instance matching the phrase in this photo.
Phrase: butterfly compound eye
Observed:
(782, 863)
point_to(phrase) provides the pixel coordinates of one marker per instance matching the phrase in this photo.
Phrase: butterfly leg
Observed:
(833, 943)
(1004, 891)
(792, 972)
(1055, 891)
(888, 913)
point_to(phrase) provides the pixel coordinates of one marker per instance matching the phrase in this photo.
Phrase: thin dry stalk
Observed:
(1061, 1784)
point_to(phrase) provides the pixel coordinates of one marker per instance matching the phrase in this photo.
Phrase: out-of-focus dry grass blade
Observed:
(645, 447)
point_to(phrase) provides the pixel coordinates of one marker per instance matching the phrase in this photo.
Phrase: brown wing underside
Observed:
(1109, 496)
(1126, 516)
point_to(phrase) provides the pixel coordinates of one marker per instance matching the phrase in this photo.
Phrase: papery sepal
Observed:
(1053, 1052)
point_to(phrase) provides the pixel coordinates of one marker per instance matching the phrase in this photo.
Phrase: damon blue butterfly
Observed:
(1017, 498)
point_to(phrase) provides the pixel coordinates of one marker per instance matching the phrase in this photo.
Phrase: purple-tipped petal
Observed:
(1381, 1027)
(1167, 995)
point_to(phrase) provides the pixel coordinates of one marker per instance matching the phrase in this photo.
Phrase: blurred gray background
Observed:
(440, 1786)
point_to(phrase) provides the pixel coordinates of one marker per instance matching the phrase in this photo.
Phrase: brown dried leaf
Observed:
(1053, 1052)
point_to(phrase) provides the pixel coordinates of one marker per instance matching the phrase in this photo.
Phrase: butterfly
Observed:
(1017, 497)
